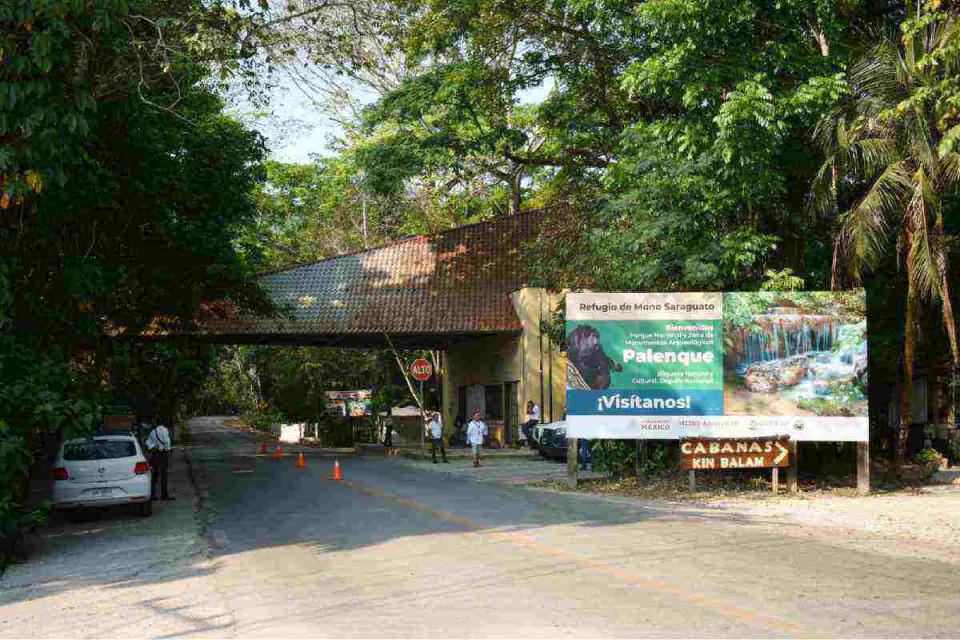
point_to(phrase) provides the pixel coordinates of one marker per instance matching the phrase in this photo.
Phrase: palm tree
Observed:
(889, 150)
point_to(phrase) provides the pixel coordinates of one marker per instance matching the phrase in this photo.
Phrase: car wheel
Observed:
(145, 509)
(76, 515)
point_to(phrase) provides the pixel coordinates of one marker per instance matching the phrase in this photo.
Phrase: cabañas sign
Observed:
(760, 453)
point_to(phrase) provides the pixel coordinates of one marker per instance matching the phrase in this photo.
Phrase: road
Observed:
(398, 551)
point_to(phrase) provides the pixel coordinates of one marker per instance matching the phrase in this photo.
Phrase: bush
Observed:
(613, 456)
(929, 461)
(658, 463)
(619, 457)
(263, 421)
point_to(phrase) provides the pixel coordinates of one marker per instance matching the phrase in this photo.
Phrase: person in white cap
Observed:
(159, 445)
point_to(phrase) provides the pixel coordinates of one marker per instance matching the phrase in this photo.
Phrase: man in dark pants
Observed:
(159, 445)
(435, 432)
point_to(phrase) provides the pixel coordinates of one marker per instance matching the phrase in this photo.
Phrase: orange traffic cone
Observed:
(300, 462)
(263, 448)
(336, 469)
(277, 453)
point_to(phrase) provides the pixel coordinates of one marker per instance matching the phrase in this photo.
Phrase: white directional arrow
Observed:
(783, 453)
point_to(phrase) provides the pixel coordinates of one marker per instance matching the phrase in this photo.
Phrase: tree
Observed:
(123, 189)
(893, 163)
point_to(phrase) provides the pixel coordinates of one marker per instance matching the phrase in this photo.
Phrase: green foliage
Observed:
(783, 280)
(124, 186)
(619, 457)
(929, 461)
(613, 456)
(263, 421)
(658, 462)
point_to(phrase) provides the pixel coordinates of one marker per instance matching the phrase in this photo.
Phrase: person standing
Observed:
(435, 432)
(533, 419)
(159, 445)
(476, 430)
(586, 454)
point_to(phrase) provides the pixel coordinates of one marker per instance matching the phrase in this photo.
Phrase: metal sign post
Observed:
(421, 370)
(423, 421)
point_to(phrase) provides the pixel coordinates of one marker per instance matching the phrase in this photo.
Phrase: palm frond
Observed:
(948, 176)
(823, 196)
(870, 156)
(866, 226)
(882, 74)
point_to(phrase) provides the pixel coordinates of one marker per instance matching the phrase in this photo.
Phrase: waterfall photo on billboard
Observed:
(795, 354)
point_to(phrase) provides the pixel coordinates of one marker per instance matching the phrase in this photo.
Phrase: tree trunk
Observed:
(948, 318)
(516, 180)
(909, 355)
(950, 323)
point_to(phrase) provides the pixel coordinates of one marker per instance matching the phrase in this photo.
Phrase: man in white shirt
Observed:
(159, 445)
(435, 433)
(476, 430)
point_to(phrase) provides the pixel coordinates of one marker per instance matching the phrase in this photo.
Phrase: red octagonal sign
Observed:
(421, 370)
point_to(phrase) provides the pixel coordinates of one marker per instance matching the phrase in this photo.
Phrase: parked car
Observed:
(102, 471)
(553, 440)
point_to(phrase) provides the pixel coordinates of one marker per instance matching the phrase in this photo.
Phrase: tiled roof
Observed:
(456, 282)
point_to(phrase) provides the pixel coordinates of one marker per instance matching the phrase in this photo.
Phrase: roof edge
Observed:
(399, 241)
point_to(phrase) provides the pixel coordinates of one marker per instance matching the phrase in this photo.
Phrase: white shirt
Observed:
(476, 429)
(436, 428)
(159, 439)
(534, 413)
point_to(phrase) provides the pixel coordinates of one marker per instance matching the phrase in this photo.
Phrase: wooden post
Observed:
(572, 463)
(863, 468)
(792, 483)
(641, 457)
(692, 480)
(775, 480)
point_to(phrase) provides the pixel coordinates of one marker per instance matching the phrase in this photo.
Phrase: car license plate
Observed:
(101, 493)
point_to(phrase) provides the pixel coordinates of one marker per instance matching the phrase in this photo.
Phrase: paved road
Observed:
(400, 551)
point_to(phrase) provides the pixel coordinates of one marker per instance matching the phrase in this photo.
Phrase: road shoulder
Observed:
(115, 570)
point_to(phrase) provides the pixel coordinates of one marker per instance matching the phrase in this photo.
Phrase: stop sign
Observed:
(421, 370)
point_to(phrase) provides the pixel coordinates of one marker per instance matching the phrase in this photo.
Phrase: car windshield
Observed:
(99, 450)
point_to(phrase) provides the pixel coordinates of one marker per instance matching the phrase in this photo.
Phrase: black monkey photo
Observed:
(586, 354)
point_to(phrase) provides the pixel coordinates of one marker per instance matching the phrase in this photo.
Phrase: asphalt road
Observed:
(399, 551)
(392, 551)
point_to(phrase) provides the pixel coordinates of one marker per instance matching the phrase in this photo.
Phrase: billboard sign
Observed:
(717, 365)
(349, 403)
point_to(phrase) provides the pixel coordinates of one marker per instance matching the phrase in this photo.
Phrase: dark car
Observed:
(553, 441)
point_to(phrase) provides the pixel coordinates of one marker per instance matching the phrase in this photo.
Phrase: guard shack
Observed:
(463, 292)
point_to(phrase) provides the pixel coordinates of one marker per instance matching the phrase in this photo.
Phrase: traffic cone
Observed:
(300, 462)
(277, 453)
(336, 469)
(263, 448)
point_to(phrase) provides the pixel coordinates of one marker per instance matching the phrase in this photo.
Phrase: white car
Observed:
(101, 471)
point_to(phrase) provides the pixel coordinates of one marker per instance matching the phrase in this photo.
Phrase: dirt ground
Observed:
(921, 523)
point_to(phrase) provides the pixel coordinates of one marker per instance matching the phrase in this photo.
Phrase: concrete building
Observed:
(463, 292)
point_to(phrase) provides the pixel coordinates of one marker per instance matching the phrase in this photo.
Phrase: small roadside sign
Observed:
(421, 370)
(718, 455)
